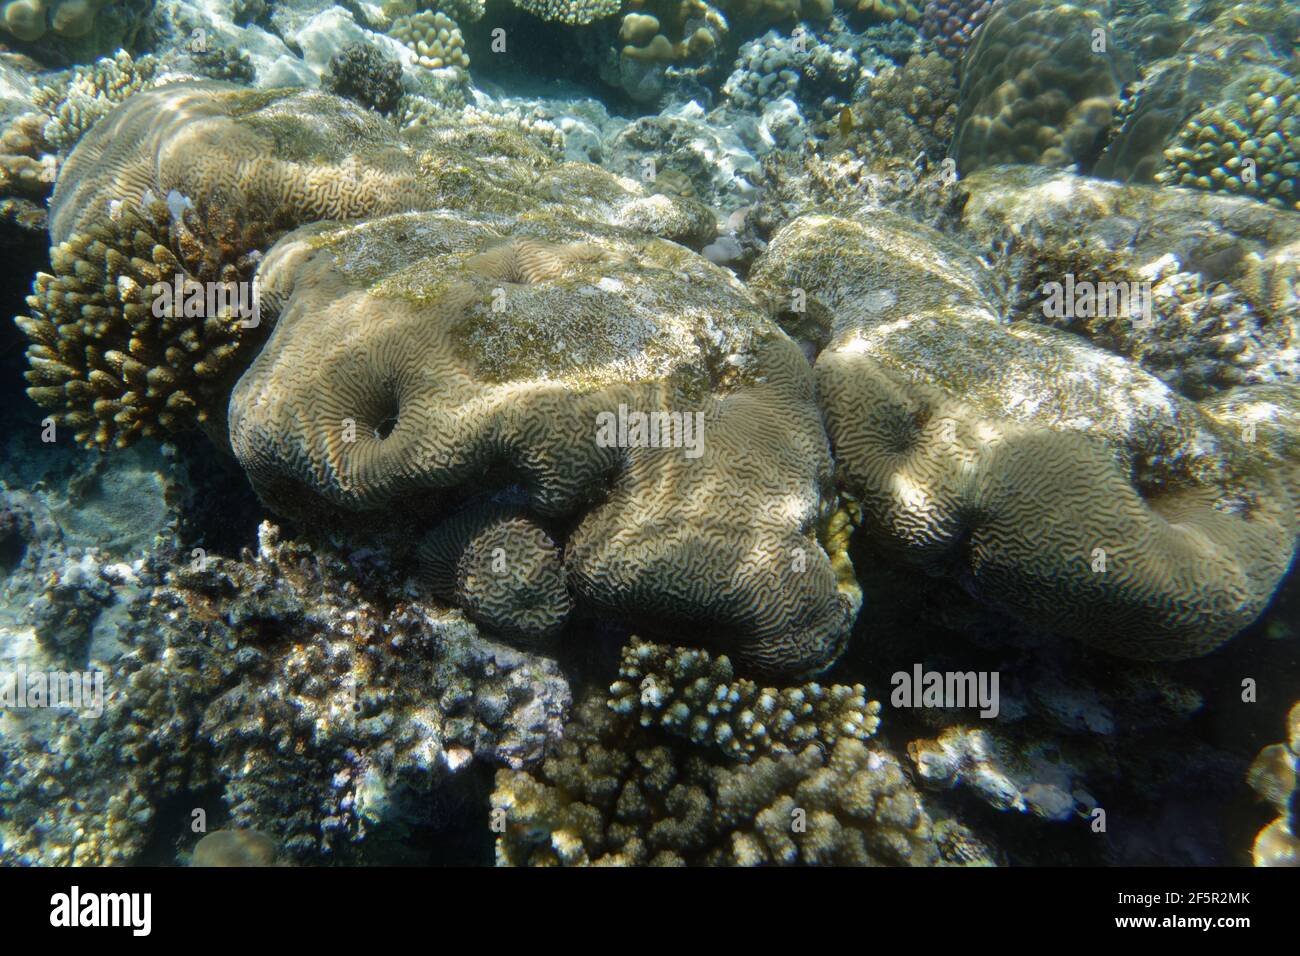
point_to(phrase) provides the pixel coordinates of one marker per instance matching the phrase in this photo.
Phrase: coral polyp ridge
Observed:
(782, 390)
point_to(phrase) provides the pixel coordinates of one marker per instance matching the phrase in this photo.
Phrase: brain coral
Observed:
(503, 342)
(503, 568)
(1036, 89)
(1056, 481)
(181, 187)
(1223, 272)
(418, 356)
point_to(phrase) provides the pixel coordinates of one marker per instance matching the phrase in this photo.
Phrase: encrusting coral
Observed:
(1056, 481)
(89, 93)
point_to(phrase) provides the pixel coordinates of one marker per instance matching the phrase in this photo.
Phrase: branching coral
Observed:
(612, 794)
(90, 93)
(694, 695)
(909, 110)
(319, 717)
(571, 11)
(176, 193)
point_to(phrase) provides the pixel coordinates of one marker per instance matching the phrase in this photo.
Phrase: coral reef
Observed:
(89, 93)
(576, 12)
(1274, 776)
(1216, 275)
(679, 152)
(1037, 87)
(453, 388)
(666, 43)
(323, 719)
(822, 69)
(180, 189)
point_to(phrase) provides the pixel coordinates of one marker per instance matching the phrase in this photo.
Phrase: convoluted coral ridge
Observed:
(503, 568)
(1056, 481)
(613, 794)
(695, 695)
(425, 354)
(315, 156)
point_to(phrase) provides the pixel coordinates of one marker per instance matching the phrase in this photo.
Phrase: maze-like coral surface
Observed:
(1055, 480)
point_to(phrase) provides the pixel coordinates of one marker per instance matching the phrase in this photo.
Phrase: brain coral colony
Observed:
(878, 415)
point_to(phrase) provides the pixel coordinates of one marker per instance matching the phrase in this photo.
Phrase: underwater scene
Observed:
(649, 432)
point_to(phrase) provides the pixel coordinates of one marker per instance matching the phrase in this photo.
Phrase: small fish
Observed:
(846, 121)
